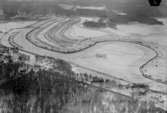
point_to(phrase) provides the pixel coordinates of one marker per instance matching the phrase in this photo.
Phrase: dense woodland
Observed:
(93, 24)
(101, 23)
(37, 92)
(13, 8)
(118, 19)
(49, 92)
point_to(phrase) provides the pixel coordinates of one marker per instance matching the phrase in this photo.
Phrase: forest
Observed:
(92, 24)
(40, 91)
(51, 92)
(13, 8)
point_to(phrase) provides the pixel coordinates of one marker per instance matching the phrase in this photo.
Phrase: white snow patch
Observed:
(83, 19)
(4, 27)
(144, 29)
(66, 7)
(85, 33)
(118, 32)
(119, 13)
(164, 97)
(119, 56)
(140, 29)
(157, 33)
(92, 8)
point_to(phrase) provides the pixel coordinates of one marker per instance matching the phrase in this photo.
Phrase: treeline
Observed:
(93, 24)
(36, 92)
(100, 24)
(13, 8)
(133, 7)
(117, 19)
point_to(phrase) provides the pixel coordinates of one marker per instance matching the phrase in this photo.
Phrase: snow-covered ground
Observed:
(134, 28)
(140, 29)
(119, 13)
(118, 32)
(160, 100)
(66, 7)
(32, 60)
(123, 61)
(5, 39)
(82, 32)
(78, 31)
(92, 8)
(150, 33)
(41, 35)
(11, 25)
(119, 56)
(157, 33)
(5, 27)
(83, 19)
(157, 69)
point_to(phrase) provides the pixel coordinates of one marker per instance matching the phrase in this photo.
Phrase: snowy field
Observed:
(91, 7)
(119, 13)
(5, 27)
(123, 60)
(158, 34)
(83, 19)
(158, 67)
(140, 29)
(82, 32)
(67, 7)
(131, 29)
(42, 35)
(118, 57)
(142, 32)
(5, 39)
(78, 31)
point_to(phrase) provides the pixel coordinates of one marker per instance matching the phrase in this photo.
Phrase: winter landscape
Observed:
(83, 57)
